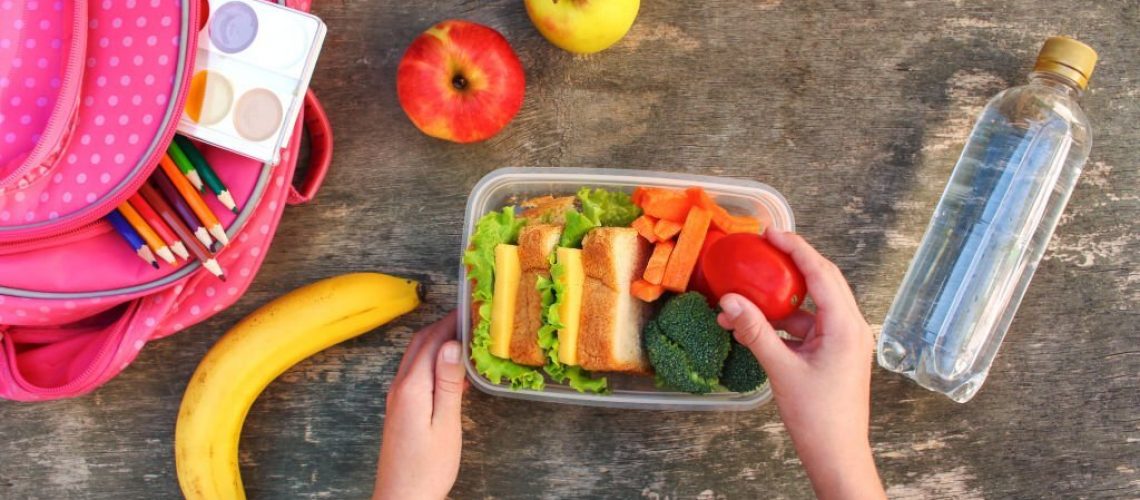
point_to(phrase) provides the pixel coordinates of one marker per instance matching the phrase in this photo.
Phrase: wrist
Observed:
(841, 469)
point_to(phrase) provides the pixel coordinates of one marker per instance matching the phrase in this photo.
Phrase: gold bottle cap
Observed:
(1064, 56)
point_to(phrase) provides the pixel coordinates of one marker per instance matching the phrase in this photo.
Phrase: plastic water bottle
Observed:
(991, 227)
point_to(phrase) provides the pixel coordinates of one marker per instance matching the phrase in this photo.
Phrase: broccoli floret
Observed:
(672, 364)
(686, 346)
(741, 373)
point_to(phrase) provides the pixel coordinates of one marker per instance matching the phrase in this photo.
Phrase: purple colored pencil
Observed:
(166, 187)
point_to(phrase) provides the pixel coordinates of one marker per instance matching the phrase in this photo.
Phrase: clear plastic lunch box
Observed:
(508, 186)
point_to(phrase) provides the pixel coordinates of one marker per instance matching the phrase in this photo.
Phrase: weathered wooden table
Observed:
(855, 110)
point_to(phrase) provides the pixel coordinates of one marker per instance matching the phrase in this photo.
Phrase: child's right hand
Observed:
(821, 384)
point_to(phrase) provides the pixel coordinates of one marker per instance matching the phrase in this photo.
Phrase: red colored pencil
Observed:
(148, 214)
(167, 213)
(170, 193)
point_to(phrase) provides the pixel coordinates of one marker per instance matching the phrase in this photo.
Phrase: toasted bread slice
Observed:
(547, 209)
(610, 333)
(536, 243)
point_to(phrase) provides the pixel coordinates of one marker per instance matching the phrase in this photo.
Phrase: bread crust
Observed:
(536, 243)
(547, 209)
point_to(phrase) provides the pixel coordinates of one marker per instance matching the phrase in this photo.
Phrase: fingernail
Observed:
(451, 352)
(730, 307)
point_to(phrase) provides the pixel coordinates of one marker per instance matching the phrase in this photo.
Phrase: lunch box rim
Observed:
(609, 177)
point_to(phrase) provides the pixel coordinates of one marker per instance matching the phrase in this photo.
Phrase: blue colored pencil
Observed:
(133, 238)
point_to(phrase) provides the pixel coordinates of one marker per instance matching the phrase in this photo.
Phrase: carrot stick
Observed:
(744, 225)
(665, 203)
(687, 250)
(655, 269)
(644, 226)
(646, 291)
(721, 219)
(666, 229)
(638, 193)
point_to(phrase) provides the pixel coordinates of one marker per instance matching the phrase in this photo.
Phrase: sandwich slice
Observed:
(609, 334)
(536, 244)
(561, 298)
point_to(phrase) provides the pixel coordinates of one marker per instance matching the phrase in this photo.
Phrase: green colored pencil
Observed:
(207, 172)
(185, 166)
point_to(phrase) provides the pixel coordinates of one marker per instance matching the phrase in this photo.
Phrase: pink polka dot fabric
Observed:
(75, 308)
(85, 104)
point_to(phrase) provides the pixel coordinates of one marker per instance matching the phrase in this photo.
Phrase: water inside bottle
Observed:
(973, 265)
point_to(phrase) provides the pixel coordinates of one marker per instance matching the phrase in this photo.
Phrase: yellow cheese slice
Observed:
(570, 309)
(503, 300)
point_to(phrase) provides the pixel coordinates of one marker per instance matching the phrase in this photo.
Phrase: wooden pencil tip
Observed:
(227, 200)
(166, 255)
(220, 235)
(180, 249)
(215, 269)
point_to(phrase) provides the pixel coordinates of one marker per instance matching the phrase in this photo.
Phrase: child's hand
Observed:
(822, 384)
(419, 455)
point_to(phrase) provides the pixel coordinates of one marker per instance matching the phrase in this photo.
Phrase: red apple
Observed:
(460, 81)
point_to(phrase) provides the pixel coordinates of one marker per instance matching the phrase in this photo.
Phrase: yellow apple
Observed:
(582, 26)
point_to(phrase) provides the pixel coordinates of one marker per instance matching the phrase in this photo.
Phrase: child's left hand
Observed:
(419, 454)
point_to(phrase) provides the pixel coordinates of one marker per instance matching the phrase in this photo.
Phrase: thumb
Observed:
(448, 385)
(753, 330)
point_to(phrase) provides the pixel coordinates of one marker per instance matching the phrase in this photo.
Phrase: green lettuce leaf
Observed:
(608, 208)
(552, 292)
(491, 230)
(600, 207)
(577, 225)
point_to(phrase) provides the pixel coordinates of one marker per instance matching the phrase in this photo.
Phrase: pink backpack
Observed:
(90, 96)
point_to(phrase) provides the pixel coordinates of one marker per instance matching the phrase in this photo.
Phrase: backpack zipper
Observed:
(106, 352)
(110, 345)
(138, 176)
(98, 227)
(68, 90)
(104, 356)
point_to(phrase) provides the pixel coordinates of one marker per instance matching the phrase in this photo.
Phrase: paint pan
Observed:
(254, 63)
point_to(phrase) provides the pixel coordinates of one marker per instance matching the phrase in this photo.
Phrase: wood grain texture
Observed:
(854, 110)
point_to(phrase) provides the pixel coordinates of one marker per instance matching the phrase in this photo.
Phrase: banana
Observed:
(258, 349)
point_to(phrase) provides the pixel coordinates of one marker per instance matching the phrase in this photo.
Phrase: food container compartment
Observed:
(511, 185)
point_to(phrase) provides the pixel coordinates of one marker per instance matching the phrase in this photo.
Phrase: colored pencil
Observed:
(162, 183)
(148, 214)
(194, 201)
(208, 174)
(172, 219)
(148, 235)
(132, 237)
(185, 166)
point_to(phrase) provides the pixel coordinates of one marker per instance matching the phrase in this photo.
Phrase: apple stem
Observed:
(459, 82)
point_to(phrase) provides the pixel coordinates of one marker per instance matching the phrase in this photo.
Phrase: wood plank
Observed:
(855, 110)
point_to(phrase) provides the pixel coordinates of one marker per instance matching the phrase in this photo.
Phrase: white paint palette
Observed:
(252, 70)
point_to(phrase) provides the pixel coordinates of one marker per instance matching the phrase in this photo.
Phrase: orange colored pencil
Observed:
(194, 200)
(164, 231)
(196, 247)
(148, 235)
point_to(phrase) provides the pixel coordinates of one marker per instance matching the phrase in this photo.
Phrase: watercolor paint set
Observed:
(253, 67)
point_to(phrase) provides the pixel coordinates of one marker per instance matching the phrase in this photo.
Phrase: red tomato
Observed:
(750, 266)
(697, 282)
